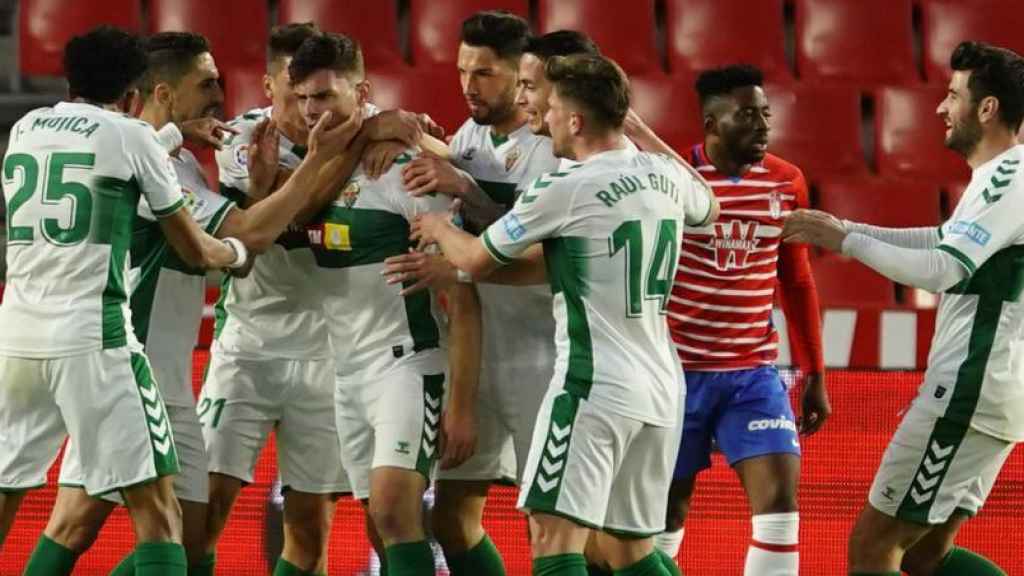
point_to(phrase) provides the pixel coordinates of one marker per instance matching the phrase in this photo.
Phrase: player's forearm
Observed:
(464, 346)
(527, 270)
(195, 247)
(918, 238)
(932, 270)
(478, 210)
(465, 252)
(331, 178)
(801, 308)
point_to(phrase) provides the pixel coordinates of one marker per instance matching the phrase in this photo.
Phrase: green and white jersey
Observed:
(72, 176)
(975, 372)
(271, 313)
(372, 327)
(167, 296)
(517, 322)
(611, 228)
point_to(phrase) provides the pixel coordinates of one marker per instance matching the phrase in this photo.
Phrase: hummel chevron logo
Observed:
(432, 401)
(431, 433)
(149, 393)
(552, 462)
(919, 497)
(939, 451)
(1005, 171)
(162, 446)
(428, 447)
(432, 418)
(551, 468)
(154, 411)
(927, 480)
(158, 430)
(1000, 183)
(560, 433)
(546, 484)
(990, 198)
(556, 450)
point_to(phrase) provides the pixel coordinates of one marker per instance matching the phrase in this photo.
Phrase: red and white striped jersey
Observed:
(721, 306)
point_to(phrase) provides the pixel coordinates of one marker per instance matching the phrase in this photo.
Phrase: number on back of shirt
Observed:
(649, 270)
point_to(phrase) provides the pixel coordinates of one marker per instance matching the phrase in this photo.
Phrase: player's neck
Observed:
(112, 106)
(724, 163)
(509, 125)
(586, 147)
(295, 134)
(154, 116)
(990, 146)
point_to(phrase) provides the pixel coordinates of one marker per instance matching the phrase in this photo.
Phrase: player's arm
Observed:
(526, 270)
(923, 238)
(459, 425)
(197, 248)
(429, 174)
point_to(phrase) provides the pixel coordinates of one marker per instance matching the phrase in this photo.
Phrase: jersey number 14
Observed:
(656, 284)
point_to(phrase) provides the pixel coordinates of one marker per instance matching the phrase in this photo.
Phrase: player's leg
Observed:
(236, 415)
(932, 468)
(396, 507)
(309, 464)
(758, 435)
(9, 504)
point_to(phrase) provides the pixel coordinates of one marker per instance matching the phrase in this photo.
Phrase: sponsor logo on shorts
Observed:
(780, 423)
(926, 483)
(553, 459)
(513, 227)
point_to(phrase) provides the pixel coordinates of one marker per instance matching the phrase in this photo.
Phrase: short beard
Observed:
(496, 115)
(963, 139)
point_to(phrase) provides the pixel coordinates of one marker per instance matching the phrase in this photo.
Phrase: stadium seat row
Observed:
(865, 42)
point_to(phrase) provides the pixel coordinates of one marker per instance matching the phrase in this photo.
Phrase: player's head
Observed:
(103, 65)
(589, 100)
(735, 110)
(285, 41)
(534, 88)
(327, 75)
(986, 93)
(181, 77)
(489, 51)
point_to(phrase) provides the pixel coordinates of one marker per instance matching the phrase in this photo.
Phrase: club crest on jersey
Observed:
(775, 204)
(350, 194)
(733, 242)
(242, 155)
(511, 159)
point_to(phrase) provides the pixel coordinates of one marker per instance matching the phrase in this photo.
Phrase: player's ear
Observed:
(576, 123)
(163, 94)
(268, 86)
(710, 123)
(362, 92)
(988, 109)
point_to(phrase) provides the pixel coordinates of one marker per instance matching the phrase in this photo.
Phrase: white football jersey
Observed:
(611, 228)
(73, 176)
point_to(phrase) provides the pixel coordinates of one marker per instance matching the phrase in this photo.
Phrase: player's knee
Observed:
(73, 535)
(782, 501)
(395, 521)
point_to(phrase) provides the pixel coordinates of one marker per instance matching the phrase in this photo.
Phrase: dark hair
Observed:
(994, 72)
(560, 43)
(328, 51)
(102, 64)
(595, 83)
(286, 39)
(171, 57)
(722, 81)
(499, 30)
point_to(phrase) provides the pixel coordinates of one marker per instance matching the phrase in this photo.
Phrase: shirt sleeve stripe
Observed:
(964, 260)
(218, 218)
(493, 251)
(164, 212)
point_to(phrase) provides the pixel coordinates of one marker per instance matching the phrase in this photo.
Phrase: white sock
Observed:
(773, 550)
(669, 542)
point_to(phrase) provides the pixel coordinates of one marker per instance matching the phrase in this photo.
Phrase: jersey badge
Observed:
(242, 155)
(733, 243)
(336, 237)
(350, 194)
(775, 204)
(511, 159)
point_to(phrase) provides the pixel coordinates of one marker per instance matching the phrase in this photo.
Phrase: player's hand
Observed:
(458, 437)
(396, 125)
(206, 131)
(815, 227)
(328, 141)
(380, 155)
(633, 124)
(262, 158)
(425, 270)
(426, 228)
(815, 405)
(428, 174)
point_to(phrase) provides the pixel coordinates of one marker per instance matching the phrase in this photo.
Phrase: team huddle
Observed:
(552, 296)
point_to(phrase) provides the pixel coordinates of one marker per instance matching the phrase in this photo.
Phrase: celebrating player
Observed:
(947, 452)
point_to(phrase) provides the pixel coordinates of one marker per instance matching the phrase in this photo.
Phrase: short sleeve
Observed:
(151, 168)
(984, 227)
(539, 213)
(696, 201)
(233, 157)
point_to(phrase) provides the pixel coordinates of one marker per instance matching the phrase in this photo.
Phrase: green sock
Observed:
(410, 559)
(480, 560)
(963, 561)
(160, 559)
(286, 568)
(560, 565)
(669, 563)
(896, 573)
(126, 567)
(649, 566)
(204, 567)
(50, 559)
(594, 570)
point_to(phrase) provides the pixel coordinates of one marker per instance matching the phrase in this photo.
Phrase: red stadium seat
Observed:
(882, 202)
(910, 136)
(243, 90)
(952, 192)
(373, 24)
(844, 282)
(435, 91)
(669, 105)
(864, 41)
(946, 23)
(236, 29)
(702, 34)
(817, 127)
(435, 27)
(45, 26)
(625, 34)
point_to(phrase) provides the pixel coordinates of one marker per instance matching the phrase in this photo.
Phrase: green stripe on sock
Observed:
(160, 559)
(410, 559)
(962, 561)
(50, 559)
(651, 565)
(480, 560)
(560, 565)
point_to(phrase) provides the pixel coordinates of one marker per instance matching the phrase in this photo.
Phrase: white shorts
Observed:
(192, 483)
(599, 469)
(934, 467)
(391, 419)
(243, 399)
(106, 401)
